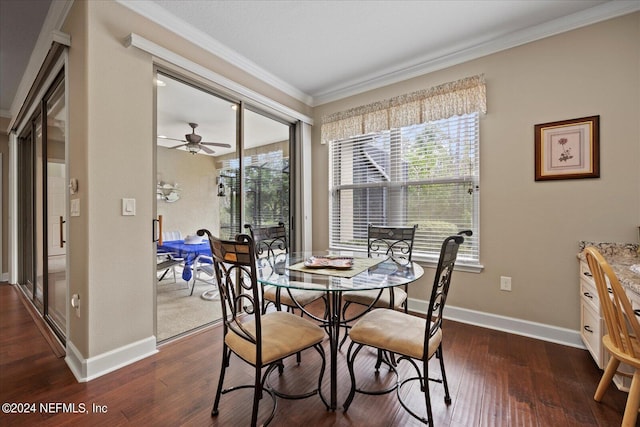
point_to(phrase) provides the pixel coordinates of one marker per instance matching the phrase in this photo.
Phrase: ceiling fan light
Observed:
(193, 149)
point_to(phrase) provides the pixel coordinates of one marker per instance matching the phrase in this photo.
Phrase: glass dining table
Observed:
(328, 273)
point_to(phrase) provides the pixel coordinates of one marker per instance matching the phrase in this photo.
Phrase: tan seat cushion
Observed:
(302, 296)
(367, 297)
(394, 331)
(283, 334)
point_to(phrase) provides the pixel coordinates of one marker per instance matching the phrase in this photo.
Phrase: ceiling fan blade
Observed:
(206, 150)
(178, 146)
(216, 144)
(171, 139)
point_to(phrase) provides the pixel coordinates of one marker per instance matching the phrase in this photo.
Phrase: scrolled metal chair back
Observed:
(234, 264)
(441, 283)
(395, 242)
(269, 240)
(270, 243)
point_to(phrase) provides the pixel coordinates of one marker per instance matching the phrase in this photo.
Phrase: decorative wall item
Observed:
(568, 149)
(168, 192)
(221, 189)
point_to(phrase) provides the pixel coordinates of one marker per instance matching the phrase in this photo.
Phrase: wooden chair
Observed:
(260, 340)
(271, 249)
(412, 339)
(623, 330)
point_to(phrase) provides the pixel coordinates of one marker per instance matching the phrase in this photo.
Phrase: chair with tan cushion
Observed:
(623, 331)
(260, 340)
(410, 338)
(395, 242)
(271, 249)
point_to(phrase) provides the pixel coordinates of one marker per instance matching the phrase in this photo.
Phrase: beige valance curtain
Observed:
(463, 96)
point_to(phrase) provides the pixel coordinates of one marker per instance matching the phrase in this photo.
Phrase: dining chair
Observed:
(171, 235)
(271, 249)
(203, 264)
(261, 340)
(382, 241)
(165, 262)
(395, 242)
(410, 338)
(623, 331)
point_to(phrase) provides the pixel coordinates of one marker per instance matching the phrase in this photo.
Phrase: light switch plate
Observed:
(128, 207)
(75, 207)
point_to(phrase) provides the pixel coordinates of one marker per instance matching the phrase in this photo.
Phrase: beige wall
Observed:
(530, 230)
(77, 227)
(112, 264)
(198, 205)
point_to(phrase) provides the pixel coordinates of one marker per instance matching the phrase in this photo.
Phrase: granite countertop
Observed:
(620, 256)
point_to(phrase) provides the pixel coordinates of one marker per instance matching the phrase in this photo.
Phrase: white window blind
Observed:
(425, 174)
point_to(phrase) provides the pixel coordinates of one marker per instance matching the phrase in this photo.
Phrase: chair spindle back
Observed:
(621, 321)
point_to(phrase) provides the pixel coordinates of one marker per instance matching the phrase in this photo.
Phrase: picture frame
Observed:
(568, 149)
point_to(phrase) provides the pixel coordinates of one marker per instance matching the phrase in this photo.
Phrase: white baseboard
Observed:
(88, 369)
(4, 277)
(511, 325)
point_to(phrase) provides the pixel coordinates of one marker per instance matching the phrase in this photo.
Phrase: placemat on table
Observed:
(359, 265)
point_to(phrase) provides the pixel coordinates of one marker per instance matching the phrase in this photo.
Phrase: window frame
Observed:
(429, 258)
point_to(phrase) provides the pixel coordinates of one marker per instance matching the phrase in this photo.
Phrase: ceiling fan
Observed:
(193, 144)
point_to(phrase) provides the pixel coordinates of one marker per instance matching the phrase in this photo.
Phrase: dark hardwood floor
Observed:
(496, 379)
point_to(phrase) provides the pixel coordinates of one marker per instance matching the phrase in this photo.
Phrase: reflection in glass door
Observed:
(56, 208)
(26, 240)
(266, 171)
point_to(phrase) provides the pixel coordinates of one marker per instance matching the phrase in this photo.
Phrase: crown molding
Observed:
(164, 54)
(399, 72)
(162, 17)
(444, 59)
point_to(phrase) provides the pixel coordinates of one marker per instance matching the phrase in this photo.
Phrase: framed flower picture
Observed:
(568, 149)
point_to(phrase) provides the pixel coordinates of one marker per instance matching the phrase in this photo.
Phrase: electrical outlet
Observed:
(75, 303)
(505, 283)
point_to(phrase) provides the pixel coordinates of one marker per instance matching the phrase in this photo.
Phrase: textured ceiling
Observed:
(325, 47)
(320, 50)
(20, 23)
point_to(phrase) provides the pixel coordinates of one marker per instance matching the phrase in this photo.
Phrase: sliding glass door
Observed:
(266, 162)
(56, 202)
(248, 151)
(42, 271)
(220, 164)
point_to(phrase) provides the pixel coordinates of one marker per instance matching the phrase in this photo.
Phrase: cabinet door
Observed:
(589, 296)
(591, 327)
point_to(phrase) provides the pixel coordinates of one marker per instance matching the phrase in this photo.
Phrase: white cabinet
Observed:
(591, 321)
(592, 324)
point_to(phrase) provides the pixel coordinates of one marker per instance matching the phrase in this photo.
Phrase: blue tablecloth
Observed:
(178, 248)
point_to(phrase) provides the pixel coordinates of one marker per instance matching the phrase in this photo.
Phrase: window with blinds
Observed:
(425, 174)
